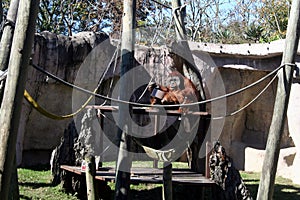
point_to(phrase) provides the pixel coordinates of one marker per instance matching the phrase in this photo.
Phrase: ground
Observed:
(35, 184)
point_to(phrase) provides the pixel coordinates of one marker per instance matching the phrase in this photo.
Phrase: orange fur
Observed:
(185, 92)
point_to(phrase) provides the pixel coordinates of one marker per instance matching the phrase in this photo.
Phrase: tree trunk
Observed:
(285, 78)
(13, 94)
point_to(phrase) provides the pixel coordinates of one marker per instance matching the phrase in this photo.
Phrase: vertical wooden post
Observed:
(1, 12)
(1, 15)
(101, 138)
(189, 70)
(156, 129)
(285, 77)
(13, 94)
(90, 173)
(188, 62)
(179, 20)
(7, 36)
(208, 153)
(167, 181)
(5, 47)
(127, 50)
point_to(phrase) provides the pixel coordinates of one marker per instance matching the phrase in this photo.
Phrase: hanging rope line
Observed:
(249, 103)
(27, 96)
(50, 115)
(3, 74)
(162, 4)
(160, 106)
(115, 56)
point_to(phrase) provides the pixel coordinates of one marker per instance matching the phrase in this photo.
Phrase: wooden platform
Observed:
(148, 175)
(150, 110)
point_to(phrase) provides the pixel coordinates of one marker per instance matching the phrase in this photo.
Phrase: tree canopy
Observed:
(224, 21)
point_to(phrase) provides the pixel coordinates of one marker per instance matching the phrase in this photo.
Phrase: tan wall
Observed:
(224, 68)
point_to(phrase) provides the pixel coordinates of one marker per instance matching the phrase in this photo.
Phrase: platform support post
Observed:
(167, 181)
(90, 177)
(156, 130)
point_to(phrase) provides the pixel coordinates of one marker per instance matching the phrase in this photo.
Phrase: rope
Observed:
(160, 106)
(145, 90)
(116, 55)
(249, 103)
(9, 22)
(162, 4)
(3, 74)
(50, 115)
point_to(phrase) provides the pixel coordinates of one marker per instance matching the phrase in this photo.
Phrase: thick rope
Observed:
(3, 74)
(249, 103)
(46, 113)
(161, 106)
(50, 115)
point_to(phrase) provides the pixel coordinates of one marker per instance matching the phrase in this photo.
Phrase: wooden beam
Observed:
(13, 94)
(150, 111)
(285, 77)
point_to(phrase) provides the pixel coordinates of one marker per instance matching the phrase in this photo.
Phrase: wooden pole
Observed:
(13, 94)
(5, 47)
(90, 173)
(127, 50)
(285, 77)
(190, 71)
(179, 20)
(1, 15)
(7, 36)
(156, 130)
(167, 181)
(188, 62)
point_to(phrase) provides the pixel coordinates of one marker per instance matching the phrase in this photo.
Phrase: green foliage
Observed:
(72, 16)
(255, 34)
(224, 36)
(273, 16)
(225, 21)
(68, 16)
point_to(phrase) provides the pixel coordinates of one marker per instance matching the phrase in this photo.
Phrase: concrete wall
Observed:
(224, 68)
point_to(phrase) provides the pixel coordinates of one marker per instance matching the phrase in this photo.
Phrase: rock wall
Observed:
(62, 56)
(224, 68)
